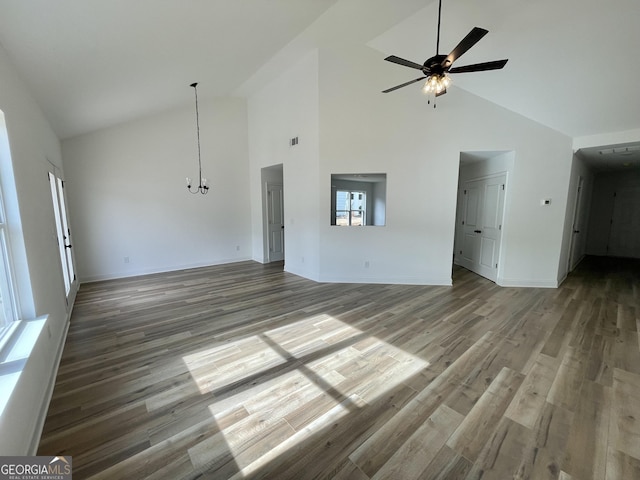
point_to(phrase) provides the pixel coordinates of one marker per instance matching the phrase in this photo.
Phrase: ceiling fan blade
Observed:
(480, 67)
(402, 85)
(403, 62)
(467, 42)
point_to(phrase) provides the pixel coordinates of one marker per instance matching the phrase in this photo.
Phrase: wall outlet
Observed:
(237, 248)
(366, 264)
(126, 259)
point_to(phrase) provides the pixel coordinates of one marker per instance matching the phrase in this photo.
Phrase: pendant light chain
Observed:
(202, 188)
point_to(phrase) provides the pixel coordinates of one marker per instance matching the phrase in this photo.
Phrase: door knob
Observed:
(478, 231)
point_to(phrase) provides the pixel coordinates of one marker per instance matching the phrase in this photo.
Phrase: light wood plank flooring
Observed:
(244, 371)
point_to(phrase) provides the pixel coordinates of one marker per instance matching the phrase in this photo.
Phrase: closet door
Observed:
(482, 225)
(624, 237)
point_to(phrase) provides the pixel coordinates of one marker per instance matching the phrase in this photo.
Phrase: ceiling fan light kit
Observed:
(437, 69)
(437, 84)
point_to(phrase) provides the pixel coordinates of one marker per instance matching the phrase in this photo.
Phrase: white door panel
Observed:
(624, 239)
(275, 221)
(469, 247)
(491, 205)
(487, 252)
(471, 211)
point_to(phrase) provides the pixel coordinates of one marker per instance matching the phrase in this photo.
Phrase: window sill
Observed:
(15, 350)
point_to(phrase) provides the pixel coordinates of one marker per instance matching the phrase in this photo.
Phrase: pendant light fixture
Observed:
(202, 188)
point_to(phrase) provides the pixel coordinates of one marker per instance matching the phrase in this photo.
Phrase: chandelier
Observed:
(202, 187)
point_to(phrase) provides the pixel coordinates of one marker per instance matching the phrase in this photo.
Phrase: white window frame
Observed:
(350, 211)
(8, 301)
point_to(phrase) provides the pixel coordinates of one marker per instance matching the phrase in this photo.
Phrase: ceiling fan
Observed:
(437, 68)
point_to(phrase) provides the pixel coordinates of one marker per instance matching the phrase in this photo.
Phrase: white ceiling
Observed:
(573, 65)
(608, 158)
(95, 63)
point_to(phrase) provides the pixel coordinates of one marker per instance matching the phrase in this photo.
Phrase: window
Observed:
(8, 292)
(358, 200)
(7, 298)
(351, 208)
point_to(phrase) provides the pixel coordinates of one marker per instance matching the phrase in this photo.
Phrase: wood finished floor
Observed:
(244, 371)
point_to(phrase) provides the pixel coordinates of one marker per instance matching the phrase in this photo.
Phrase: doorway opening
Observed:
(607, 211)
(480, 212)
(273, 214)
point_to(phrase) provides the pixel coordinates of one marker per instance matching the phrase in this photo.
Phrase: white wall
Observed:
(33, 148)
(419, 147)
(128, 198)
(379, 203)
(287, 107)
(359, 129)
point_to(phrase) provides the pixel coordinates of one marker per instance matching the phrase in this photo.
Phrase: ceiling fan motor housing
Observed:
(434, 65)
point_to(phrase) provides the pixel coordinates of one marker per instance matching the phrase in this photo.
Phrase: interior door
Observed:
(482, 225)
(624, 237)
(275, 222)
(577, 236)
(63, 232)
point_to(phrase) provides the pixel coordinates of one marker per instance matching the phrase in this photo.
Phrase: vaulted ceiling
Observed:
(573, 65)
(95, 63)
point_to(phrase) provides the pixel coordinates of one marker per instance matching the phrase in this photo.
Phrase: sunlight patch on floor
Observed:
(277, 388)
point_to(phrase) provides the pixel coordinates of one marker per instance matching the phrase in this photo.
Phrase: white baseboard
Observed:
(44, 409)
(151, 271)
(511, 282)
(428, 281)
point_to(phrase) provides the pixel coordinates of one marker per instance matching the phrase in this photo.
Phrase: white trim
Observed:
(561, 280)
(512, 282)
(17, 350)
(7, 335)
(427, 281)
(150, 271)
(44, 409)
